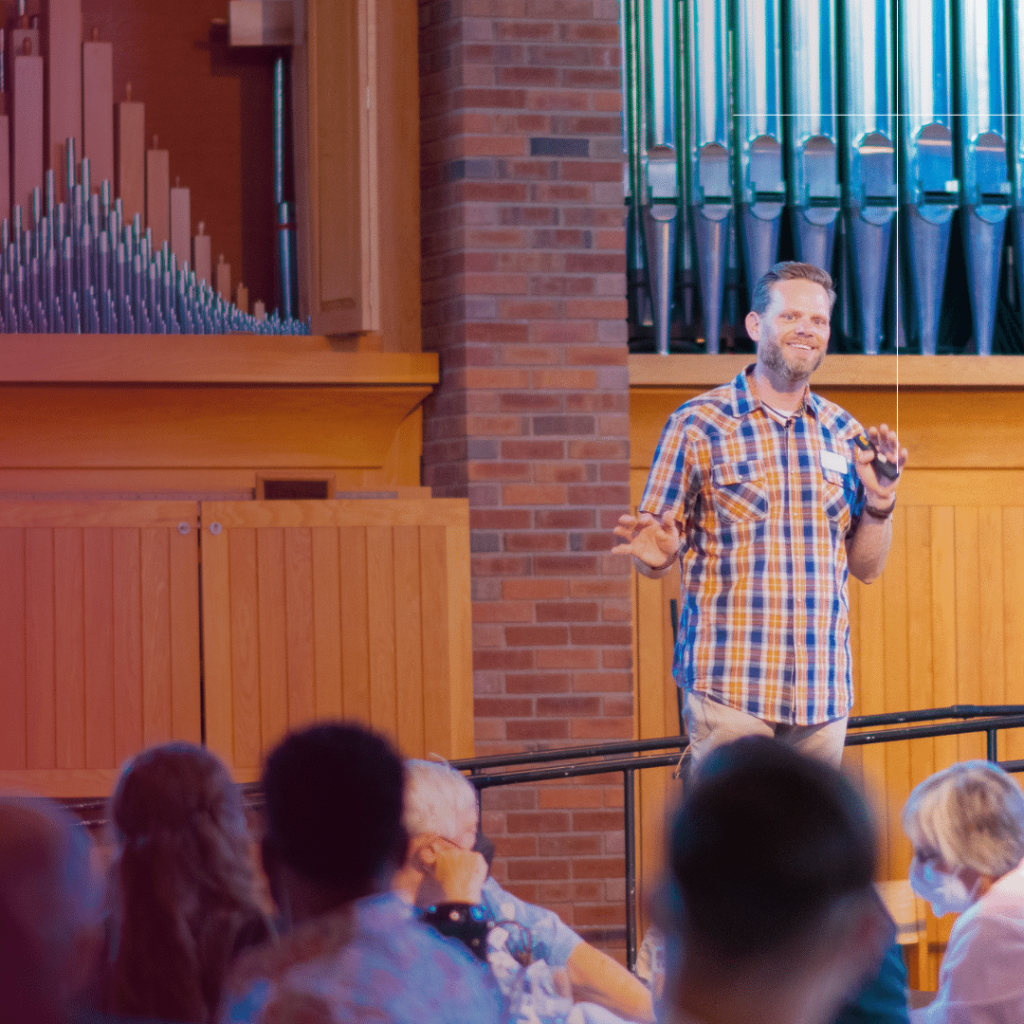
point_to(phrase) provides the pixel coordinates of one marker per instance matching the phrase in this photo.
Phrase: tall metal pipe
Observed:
(759, 133)
(870, 158)
(659, 163)
(813, 139)
(1015, 31)
(710, 155)
(929, 185)
(982, 143)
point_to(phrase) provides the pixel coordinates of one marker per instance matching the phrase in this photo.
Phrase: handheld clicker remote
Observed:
(881, 465)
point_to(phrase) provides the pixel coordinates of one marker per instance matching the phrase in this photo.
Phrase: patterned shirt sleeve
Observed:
(552, 940)
(674, 481)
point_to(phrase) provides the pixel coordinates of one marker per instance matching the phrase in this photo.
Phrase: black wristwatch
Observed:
(467, 922)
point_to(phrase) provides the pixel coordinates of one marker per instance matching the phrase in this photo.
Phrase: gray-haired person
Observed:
(966, 824)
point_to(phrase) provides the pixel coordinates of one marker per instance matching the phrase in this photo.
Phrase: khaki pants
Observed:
(709, 724)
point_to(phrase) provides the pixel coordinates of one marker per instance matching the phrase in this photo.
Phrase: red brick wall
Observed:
(523, 297)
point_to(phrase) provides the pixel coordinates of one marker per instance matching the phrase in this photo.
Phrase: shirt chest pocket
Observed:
(739, 492)
(835, 497)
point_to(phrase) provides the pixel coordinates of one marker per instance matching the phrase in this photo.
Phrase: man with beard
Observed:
(761, 492)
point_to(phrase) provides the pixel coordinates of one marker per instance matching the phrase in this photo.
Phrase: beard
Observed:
(774, 359)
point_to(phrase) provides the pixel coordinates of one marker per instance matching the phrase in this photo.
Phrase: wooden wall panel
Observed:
(336, 608)
(90, 667)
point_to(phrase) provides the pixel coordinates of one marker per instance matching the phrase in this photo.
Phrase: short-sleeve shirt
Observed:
(551, 939)
(766, 506)
(369, 962)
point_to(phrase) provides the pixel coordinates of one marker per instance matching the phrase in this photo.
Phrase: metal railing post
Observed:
(629, 826)
(992, 745)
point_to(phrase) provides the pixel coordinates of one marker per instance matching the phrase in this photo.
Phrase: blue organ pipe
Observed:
(79, 267)
(869, 132)
(709, 151)
(69, 166)
(659, 165)
(759, 132)
(1015, 31)
(813, 129)
(983, 144)
(929, 184)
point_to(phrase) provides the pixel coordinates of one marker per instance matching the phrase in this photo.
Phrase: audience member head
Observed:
(770, 895)
(441, 817)
(966, 824)
(186, 894)
(333, 816)
(50, 934)
(440, 801)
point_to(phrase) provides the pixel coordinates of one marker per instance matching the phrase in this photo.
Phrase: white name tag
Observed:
(832, 460)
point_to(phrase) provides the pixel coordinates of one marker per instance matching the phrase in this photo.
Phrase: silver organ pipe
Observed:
(869, 133)
(983, 137)
(759, 133)
(710, 156)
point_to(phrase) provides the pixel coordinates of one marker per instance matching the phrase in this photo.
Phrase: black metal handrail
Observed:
(629, 757)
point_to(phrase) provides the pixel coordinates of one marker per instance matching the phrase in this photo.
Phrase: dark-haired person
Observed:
(51, 935)
(353, 951)
(769, 911)
(759, 491)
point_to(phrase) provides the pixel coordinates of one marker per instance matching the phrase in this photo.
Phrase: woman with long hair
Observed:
(185, 899)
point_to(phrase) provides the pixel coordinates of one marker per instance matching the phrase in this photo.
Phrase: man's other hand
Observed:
(460, 873)
(655, 542)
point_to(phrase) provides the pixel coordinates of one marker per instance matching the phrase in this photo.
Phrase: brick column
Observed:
(523, 297)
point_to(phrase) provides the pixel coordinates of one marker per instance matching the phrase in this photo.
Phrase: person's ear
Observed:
(425, 853)
(753, 325)
(865, 942)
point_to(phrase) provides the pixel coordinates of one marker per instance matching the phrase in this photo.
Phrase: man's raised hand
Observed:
(885, 443)
(655, 542)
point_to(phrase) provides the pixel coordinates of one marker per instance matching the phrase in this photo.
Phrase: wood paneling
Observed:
(99, 649)
(148, 417)
(945, 623)
(315, 609)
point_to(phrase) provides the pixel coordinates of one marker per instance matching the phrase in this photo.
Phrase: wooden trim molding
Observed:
(653, 371)
(268, 360)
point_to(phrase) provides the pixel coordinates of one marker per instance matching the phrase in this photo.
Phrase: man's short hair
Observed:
(763, 848)
(972, 815)
(438, 799)
(789, 270)
(334, 804)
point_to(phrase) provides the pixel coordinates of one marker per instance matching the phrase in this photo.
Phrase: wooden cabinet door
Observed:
(99, 639)
(327, 609)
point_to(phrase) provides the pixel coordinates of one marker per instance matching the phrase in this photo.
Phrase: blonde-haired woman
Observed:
(967, 827)
(185, 896)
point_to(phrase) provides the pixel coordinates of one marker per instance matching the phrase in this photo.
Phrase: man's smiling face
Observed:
(792, 333)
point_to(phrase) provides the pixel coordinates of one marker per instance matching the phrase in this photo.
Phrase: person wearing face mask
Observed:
(966, 824)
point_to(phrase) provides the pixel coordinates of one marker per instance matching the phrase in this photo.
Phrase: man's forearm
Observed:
(868, 550)
(597, 978)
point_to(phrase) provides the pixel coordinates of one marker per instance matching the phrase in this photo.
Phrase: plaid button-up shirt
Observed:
(766, 509)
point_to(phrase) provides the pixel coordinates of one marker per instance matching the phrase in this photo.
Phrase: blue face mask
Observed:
(946, 893)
